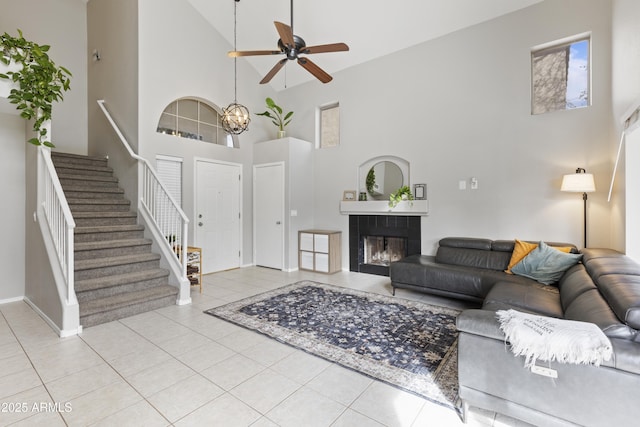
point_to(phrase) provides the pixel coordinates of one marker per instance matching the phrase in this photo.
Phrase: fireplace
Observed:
(383, 250)
(375, 241)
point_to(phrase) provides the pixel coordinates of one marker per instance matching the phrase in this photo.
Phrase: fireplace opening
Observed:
(375, 241)
(383, 250)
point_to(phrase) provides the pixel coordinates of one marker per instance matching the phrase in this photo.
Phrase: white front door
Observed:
(268, 215)
(217, 219)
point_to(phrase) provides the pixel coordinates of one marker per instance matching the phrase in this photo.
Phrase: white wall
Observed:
(181, 55)
(625, 92)
(62, 25)
(459, 107)
(113, 32)
(12, 254)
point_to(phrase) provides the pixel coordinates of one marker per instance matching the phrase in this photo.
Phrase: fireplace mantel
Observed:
(381, 207)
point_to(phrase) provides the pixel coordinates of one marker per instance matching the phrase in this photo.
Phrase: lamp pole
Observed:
(584, 199)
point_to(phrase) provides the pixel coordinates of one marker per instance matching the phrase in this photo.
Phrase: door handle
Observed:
(278, 223)
(200, 224)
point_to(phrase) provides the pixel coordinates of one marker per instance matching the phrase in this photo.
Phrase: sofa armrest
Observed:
(480, 322)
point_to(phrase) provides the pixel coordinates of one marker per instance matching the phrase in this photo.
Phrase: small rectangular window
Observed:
(329, 125)
(560, 76)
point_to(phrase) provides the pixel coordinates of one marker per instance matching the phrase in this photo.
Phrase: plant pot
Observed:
(281, 134)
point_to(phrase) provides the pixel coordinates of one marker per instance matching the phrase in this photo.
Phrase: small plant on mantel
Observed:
(275, 113)
(403, 193)
(40, 82)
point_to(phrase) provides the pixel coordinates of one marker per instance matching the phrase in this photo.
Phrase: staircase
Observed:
(116, 274)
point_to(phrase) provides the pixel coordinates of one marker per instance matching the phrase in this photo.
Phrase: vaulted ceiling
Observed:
(371, 28)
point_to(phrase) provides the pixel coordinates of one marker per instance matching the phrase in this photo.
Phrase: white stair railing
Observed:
(58, 218)
(169, 219)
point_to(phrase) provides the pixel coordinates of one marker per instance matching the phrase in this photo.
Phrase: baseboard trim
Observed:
(9, 300)
(62, 333)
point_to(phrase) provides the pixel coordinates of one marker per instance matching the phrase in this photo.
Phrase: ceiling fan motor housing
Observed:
(292, 53)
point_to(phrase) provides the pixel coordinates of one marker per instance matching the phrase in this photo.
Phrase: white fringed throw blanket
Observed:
(548, 339)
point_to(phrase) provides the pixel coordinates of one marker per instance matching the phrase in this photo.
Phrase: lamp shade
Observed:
(578, 183)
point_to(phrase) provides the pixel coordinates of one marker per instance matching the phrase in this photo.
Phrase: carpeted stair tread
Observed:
(105, 201)
(119, 279)
(106, 214)
(102, 305)
(59, 156)
(89, 264)
(88, 178)
(77, 188)
(109, 228)
(82, 167)
(103, 244)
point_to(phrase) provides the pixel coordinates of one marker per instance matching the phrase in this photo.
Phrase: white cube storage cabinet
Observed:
(319, 250)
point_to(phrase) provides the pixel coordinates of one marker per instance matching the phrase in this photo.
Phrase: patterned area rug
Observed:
(408, 344)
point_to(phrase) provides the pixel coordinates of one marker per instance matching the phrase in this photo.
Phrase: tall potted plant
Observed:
(275, 113)
(38, 81)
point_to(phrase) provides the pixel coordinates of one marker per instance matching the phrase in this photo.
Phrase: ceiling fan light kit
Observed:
(293, 46)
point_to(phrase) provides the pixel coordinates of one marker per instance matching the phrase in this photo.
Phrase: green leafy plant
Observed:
(40, 82)
(403, 193)
(274, 112)
(371, 180)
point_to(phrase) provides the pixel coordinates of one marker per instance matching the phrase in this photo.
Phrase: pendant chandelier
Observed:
(235, 118)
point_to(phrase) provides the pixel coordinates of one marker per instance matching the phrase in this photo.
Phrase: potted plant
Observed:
(275, 113)
(38, 81)
(403, 193)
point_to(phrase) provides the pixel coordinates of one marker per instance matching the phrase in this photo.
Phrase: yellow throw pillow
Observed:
(565, 249)
(520, 250)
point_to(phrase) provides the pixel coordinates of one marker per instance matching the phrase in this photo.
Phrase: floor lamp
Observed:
(580, 182)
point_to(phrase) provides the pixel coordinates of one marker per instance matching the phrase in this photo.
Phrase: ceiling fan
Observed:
(293, 46)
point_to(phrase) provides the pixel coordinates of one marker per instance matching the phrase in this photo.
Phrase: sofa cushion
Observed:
(532, 297)
(545, 264)
(466, 243)
(591, 307)
(613, 264)
(477, 258)
(622, 292)
(574, 282)
(503, 245)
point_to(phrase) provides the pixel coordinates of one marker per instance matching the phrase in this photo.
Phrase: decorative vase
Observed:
(281, 134)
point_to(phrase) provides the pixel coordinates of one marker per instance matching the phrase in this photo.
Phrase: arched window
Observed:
(193, 118)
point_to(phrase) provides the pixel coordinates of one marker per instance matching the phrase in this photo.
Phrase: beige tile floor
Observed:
(177, 366)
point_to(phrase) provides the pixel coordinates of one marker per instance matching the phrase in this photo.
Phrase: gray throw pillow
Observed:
(545, 264)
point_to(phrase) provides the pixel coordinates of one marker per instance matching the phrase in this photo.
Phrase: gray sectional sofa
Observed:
(603, 289)
(463, 267)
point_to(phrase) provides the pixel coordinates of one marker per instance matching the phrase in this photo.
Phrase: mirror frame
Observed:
(363, 170)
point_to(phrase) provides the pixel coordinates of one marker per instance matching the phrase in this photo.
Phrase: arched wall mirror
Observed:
(381, 176)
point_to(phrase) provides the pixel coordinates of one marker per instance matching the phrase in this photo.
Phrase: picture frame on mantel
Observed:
(349, 196)
(420, 191)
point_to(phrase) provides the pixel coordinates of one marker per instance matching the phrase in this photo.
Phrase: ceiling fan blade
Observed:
(318, 72)
(323, 48)
(286, 34)
(237, 53)
(273, 71)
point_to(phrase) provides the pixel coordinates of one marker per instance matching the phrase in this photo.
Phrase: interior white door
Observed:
(268, 208)
(217, 221)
